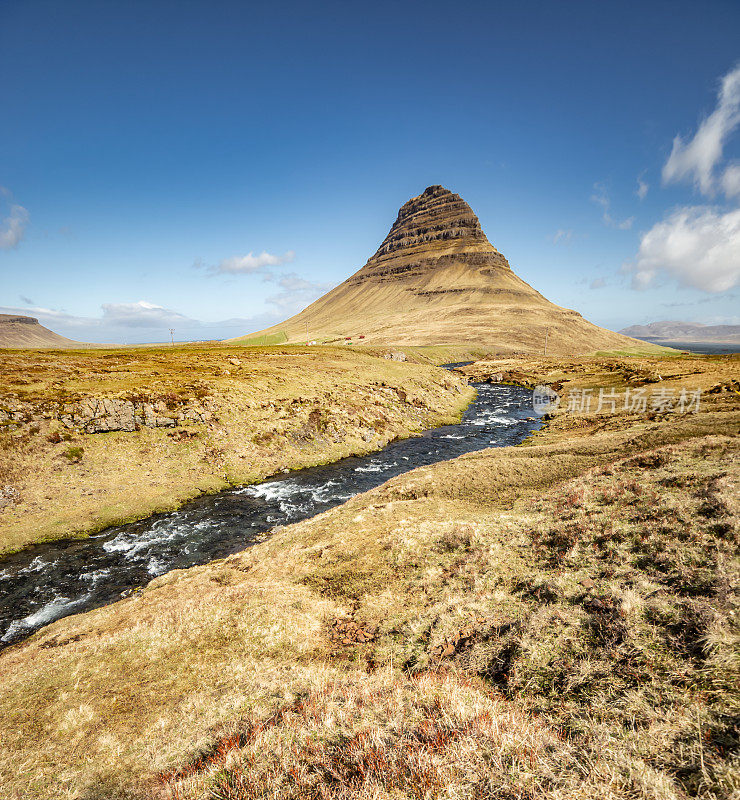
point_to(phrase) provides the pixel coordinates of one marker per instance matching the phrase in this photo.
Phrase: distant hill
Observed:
(436, 279)
(674, 331)
(19, 331)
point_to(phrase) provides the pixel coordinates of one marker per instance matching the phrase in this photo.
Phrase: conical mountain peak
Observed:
(436, 279)
(433, 217)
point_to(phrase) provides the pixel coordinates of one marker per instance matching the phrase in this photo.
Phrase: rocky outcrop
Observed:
(106, 414)
(101, 415)
(8, 318)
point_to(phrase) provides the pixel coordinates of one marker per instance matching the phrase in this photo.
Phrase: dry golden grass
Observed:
(600, 621)
(555, 620)
(275, 409)
(374, 736)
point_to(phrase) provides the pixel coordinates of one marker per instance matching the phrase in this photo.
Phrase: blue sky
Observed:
(215, 166)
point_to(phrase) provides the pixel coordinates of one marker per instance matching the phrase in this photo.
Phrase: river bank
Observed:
(555, 619)
(91, 439)
(48, 581)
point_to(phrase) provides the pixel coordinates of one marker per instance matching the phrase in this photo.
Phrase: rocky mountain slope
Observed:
(19, 331)
(436, 279)
(672, 330)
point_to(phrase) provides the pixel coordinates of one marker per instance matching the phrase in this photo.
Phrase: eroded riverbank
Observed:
(53, 580)
(91, 439)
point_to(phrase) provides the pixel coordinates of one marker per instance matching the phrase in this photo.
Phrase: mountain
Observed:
(18, 331)
(436, 279)
(671, 330)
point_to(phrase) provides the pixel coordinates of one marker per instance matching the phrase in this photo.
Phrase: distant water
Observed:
(705, 348)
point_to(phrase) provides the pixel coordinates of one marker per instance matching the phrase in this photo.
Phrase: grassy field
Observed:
(553, 620)
(247, 413)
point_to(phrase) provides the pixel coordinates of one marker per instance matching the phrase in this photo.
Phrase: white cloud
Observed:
(563, 236)
(721, 319)
(250, 263)
(697, 159)
(601, 198)
(297, 293)
(143, 315)
(597, 283)
(696, 246)
(115, 315)
(642, 187)
(731, 181)
(49, 316)
(13, 226)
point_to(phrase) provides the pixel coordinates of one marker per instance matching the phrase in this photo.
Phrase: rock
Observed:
(96, 415)
(395, 355)
(8, 496)
(346, 632)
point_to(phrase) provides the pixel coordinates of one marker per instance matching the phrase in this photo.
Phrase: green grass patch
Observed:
(263, 341)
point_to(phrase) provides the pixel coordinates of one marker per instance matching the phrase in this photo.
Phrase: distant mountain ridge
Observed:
(676, 331)
(18, 331)
(436, 279)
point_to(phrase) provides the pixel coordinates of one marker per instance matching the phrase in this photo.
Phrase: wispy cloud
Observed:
(139, 321)
(146, 321)
(250, 263)
(601, 198)
(731, 181)
(698, 158)
(696, 246)
(296, 293)
(562, 236)
(642, 187)
(142, 314)
(13, 225)
(597, 283)
(699, 302)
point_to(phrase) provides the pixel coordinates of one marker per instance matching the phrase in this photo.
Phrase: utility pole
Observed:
(172, 336)
(547, 334)
(306, 333)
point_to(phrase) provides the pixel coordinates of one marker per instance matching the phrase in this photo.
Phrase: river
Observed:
(50, 581)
